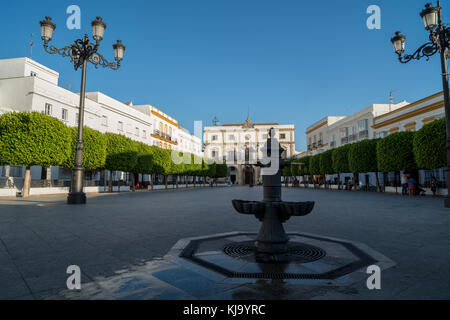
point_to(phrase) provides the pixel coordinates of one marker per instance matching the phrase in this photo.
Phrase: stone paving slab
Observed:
(115, 235)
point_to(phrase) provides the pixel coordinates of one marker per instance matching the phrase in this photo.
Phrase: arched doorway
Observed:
(249, 175)
(233, 174)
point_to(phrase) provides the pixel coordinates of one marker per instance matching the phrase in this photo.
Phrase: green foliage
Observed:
(144, 161)
(122, 153)
(362, 156)
(162, 161)
(314, 165)
(286, 171)
(221, 170)
(429, 145)
(326, 162)
(340, 159)
(33, 139)
(395, 152)
(295, 169)
(94, 148)
(304, 169)
(212, 169)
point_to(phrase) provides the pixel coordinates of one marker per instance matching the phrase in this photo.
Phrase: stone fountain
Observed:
(238, 257)
(272, 242)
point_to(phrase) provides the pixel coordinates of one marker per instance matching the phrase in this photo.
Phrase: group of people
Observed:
(411, 186)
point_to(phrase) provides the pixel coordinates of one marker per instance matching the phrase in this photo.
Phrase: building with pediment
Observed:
(240, 145)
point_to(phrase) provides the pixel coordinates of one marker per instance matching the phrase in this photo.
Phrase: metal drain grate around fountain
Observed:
(298, 252)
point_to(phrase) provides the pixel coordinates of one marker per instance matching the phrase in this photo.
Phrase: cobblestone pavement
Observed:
(116, 236)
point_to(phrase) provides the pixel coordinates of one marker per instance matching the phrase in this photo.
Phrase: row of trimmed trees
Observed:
(401, 151)
(35, 139)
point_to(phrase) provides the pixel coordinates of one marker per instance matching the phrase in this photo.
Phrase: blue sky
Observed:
(289, 61)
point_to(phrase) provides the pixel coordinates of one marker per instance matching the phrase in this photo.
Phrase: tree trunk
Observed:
(133, 182)
(339, 181)
(378, 181)
(110, 181)
(151, 181)
(185, 182)
(27, 183)
(177, 180)
(165, 182)
(195, 178)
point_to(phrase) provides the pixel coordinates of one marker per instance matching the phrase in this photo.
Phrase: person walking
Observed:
(433, 185)
(412, 185)
(404, 181)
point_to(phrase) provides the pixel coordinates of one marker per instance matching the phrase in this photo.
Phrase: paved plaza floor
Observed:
(122, 238)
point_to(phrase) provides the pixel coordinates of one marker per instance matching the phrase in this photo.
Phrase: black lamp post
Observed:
(439, 42)
(80, 53)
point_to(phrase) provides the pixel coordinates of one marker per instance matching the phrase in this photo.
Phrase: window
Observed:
(160, 128)
(382, 134)
(231, 137)
(104, 121)
(214, 154)
(144, 134)
(344, 132)
(64, 114)
(15, 171)
(136, 133)
(77, 118)
(265, 136)
(214, 138)
(283, 136)
(33, 74)
(363, 125)
(120, 126)
(48, 109)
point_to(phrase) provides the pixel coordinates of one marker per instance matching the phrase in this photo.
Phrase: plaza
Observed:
(116, 236)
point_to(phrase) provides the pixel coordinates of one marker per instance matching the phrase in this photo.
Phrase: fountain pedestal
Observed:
(272, 211)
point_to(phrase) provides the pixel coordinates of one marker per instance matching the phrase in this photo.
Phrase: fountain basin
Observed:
(286, 209)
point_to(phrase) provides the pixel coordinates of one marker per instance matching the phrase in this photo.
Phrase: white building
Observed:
(26, 85)
(377, 121)
(234, 143)
(332, 132)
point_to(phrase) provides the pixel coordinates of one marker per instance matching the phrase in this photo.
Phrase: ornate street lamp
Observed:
(80, 52)
(439, 41)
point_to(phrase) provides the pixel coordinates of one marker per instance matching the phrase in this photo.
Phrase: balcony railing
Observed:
(320, 143)
(352, 138)
(364, 134)
(163, 135)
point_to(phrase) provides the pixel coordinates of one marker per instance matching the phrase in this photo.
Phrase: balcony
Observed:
(314, 145)
(352, 138)
(163, 136)
(320, 143)
(364, 134)
(344, 140)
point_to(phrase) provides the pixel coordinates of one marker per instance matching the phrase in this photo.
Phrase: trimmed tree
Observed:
(395, 152)
(33, 139)
(122, 154)
(429, 145)
(340, 161)
(326, 163)
(94, 148)
(162, 163)
(304, 168)
(362, 157)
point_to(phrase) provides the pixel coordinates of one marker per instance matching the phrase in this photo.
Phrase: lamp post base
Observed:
(447, 201)
(76, 198)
